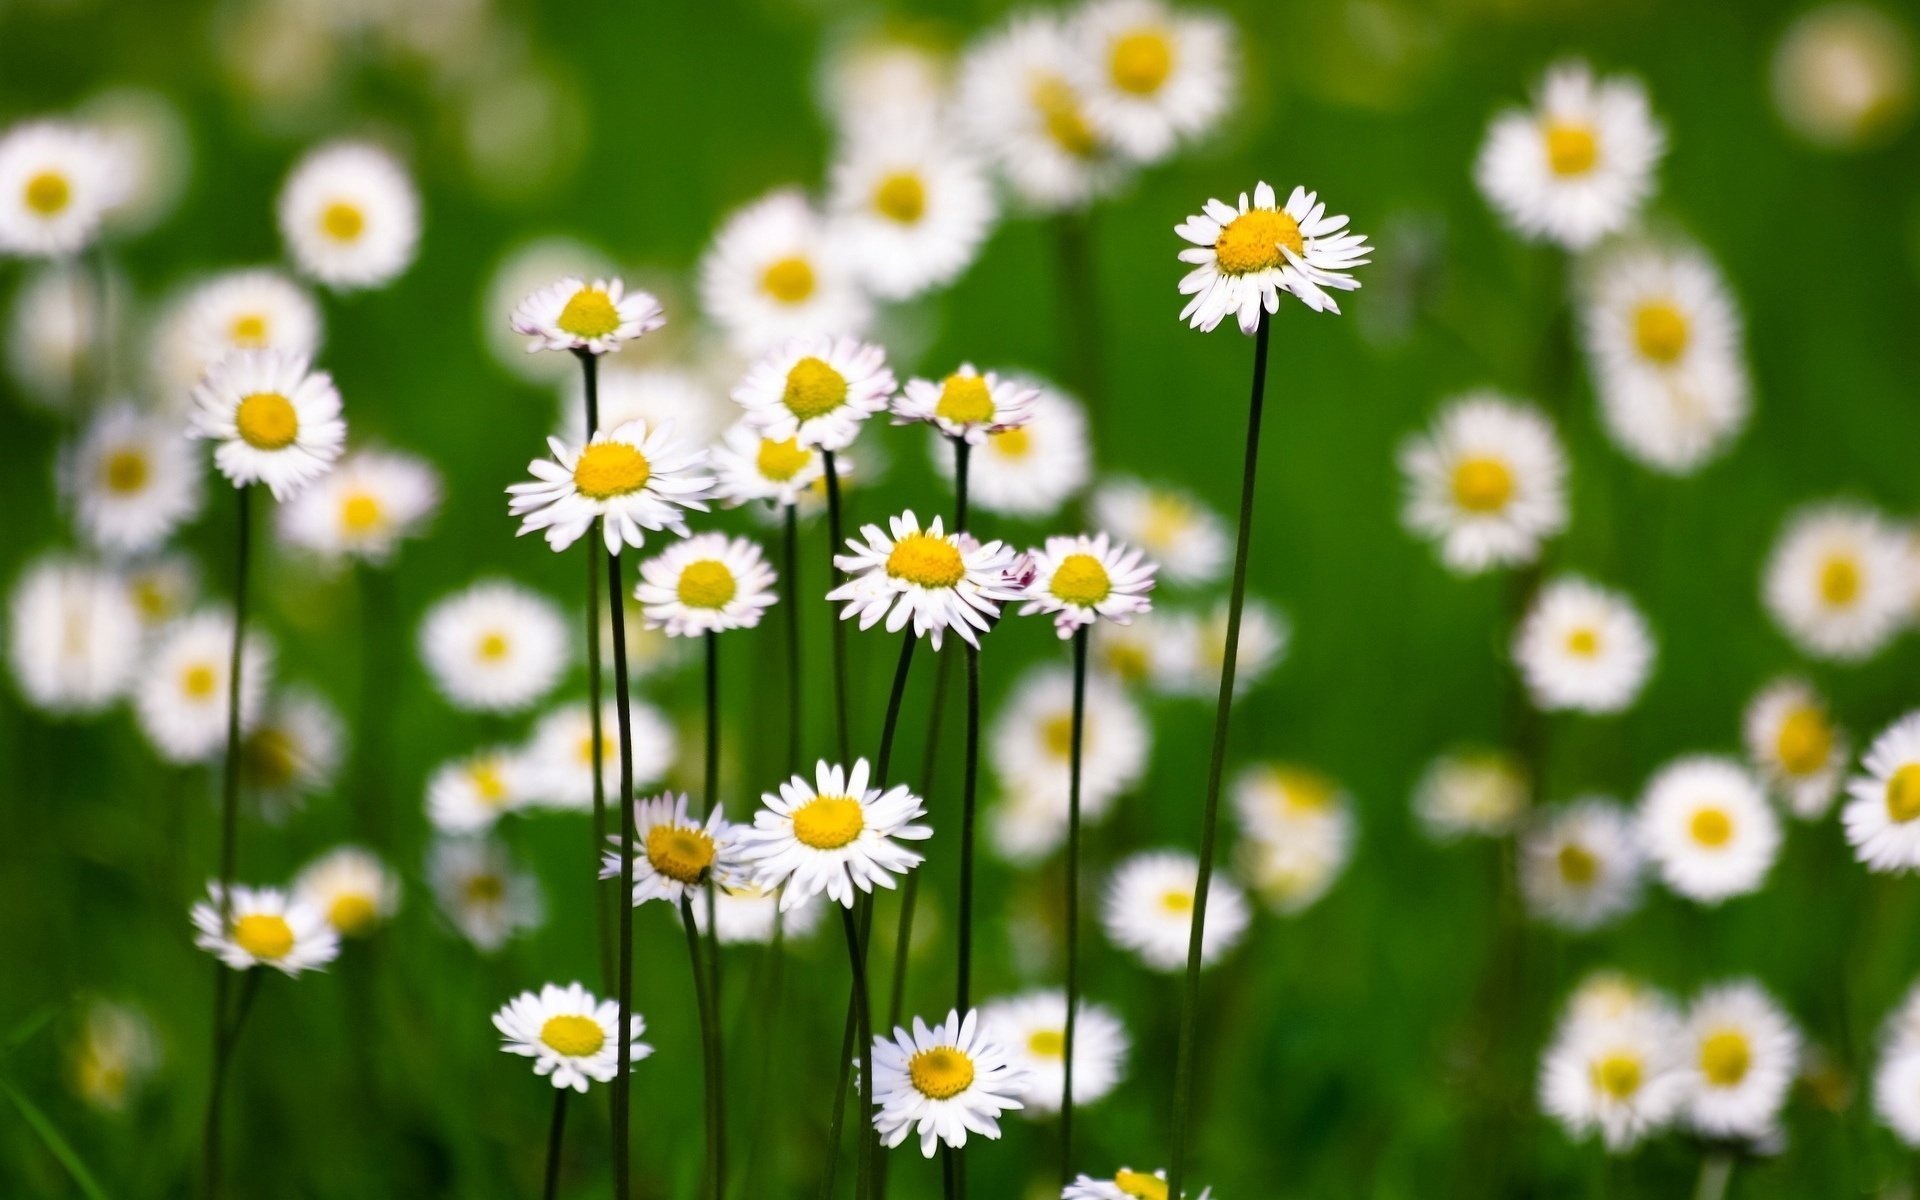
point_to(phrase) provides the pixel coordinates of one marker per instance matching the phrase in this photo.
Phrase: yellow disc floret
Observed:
(1711, 826)
(1062, 117)
(707, 584)
(343, 221)
(1661, 332)
(573, 1036)
(1840, 580)
(925, 560)
(1140, 1185)
(125, 471)
(609, 469)
(1047, 1043)
(1011, 443)
(352, 914)
(263, 935)
(589, 313)
(359, 513)
(1578, 866)
(781, 461)
(1482, 484)
(1141, 61)
(941, 1073)
(267, 421)
(1081, 579)
(48, 193)
(1903, 794)
(829, 822)
(901, 197)
(790, 280)
(198, 681)
(1617, 1075)
(1251, 241)
(1805, 741)
(814, 388)
(1724, 1057)
(1571, 148)
(249, 330)
(965, 400)
(681, 853)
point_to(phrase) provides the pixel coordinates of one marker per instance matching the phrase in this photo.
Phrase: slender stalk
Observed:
(790, 565)
(1073, 902)
(603, 917)
(555, 1133)
(709, 1046)
(1716, 1169)
(1079, 319)
(963, 975)
(949, 1174)
(863, 1024)
(962, 458)
(227, 1039)
(760, 1096)
(623, 1081)
(837, 1116)
(1190, 994)
(910, 890)
(834, 543)
(717, 1130)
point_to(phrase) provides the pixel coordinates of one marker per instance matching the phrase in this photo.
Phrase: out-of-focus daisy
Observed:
(162, 587)
(912, 209)
(55, 324)
(73, 636)
(58, 181)
(149, 137)
(1023, 97)
(1031, 748)
(469, 794)
(592, 318)
(1032, 1029)
(1583, 647)
(350, 885)
(1245, 257)
(678, 854)
(774, 273)
(1187, 539)
(1471, 793)
(632, 479)
(1192, 649)
(1620, 1075)
(560, 756)
(181, 699)
(494, 647)
(1125, 1184)
(884, 76)
(704, 584)
(966, 404)
(1883, 816)
(1708, 828)
(654, 393)
(749, 466)
(1793, 741)
(364, 507)
(276, 420)
(250, 309)
(115, 1053)
(943, 1082)
(1896, 1089)
(832, 836)
(1031, 470)
(482, 892)
(1838, 581)
(1576, 166)
(1843, 78)
(1161, 75)
(1082, 579)
(264, 927)
(1581, 865)
(569, 1035)
(291, 751)
(937, 580)
(745, 914)
(816, 391)
(1300, 831)
(1487, 482)
(1745, 1054)
(350, 216)
(1148, 908)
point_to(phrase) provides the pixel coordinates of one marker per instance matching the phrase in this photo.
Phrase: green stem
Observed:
(226, 1039)
(863, 1021)
(717, 1131)
(963, 974)
(790, 562)
(603, 917)
(834, 544)
(1073, 901)
(709, 1046)
(1716, 1169)
(555, 1133)
(623, 1080)
(910, 890)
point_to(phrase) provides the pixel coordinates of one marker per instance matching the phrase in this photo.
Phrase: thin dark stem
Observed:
(1073, 902)
(834, 544)
(226, 1037)
(1079, 319)
(910, 890)
(883, 760)
(603, 916)
(1190, 994)
(844, 1069)
(949, 1174)
(555, 1133)
(760, 1097)
(623, 1081)
(790, 563)
(863, 1021)
(962, 458)
(709, 1045)
(963, 975)
(717, 1133)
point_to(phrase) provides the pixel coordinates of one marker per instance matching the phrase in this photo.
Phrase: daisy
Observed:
(937, 580)
(55, 324)
(1843, 79)
(587, 318)
(350, 885)
(1192, 649)
(264, 927)
(1794, 744)
(1280, 801)
(250, 309)
(149, 137)
(1162, 75)
(469, 794)
(911, 209)
(746, 914)
(1883, 816)
(705, 584)
(678, 854)
(1838, 581)
(1708, 829)
(750, 466)
(1031, 749)
(73, 636)
(632, 479)
(569, 1035)
(656, 394)
(291, 751)
(1244, 258)
(1581, 866)
(1621, 1076)
(1081, 579)
(1032, 1029)
(774, 273)
(1745, 1053)
(1608, 995)
(480, 890)
(1291, 870)
(1126, 1184)
(116, 1053)
(350, 216)
(276, 421)
(1583, 647)
(945, 1082)
(1188, 540)
(1487, 483)
(494, 647)
(833, 836)
(58, 181)
(1031, 470)
(559, 759)
(1896, 1089)
(1148, 909)
(181, 699)
(521, 270)
(881, 76)
(1578, 165)
(162, 587)
(966, 404)
(1023, 97)
(364, 508)
(1471, 793)
(816, 391)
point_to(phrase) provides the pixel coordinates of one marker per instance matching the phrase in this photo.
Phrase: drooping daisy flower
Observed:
(1031, 470)
(559, 759)
(749, 466)
(58, 181)
(632, 478)
(1883, 816)
(1148, 908)
(482, 892)
(1838, 581)
(589, 318)
(264, 928)
(469, 794)
(1707, 826)
(494, 647)
(1471, 793)
(1082, 579)
(1794, 743)
(350, 216)
(942, 1082)
(1246, 257)
(249, 309)
(774, 273)
(114, 1055)
(1192, 649)
(73, 636)
(1745, 1055)
(1023, 98)
(966, 404)
(1187, 539)
(833, 836)
(1032, 1030)
(1843, 78)
(569, 1035)
(277, 422)
(162, 587)
(678, 854)
(1576, 166)
(1581, 865)
(1487, 483)
(350, 885)
(937, 580)
(1031, 749)
(55, 324)
(912, 209)
(181, 700)
(364, 507)
(1621, 1075)
(746, 914)
(691, 400)
(705, 584)
(291, 751)
(816, 391)
(1161, 75)
(1583, 647)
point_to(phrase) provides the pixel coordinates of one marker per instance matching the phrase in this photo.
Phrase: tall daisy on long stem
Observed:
(1243, 259)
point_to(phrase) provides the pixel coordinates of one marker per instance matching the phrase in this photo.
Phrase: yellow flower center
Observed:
(1840, 580)
(586, 748)
(1583, 642)
(1128, 660)
(1047, 1043)
(1081, 579)
(1617, 1075)
(1061, 115)
(1058, 731)
(1711, 827)
(126, 471)
(484, 889)
(1482, 484)
(198, 681)
(359, 513)
(487, 783)
(352, 914)
(1903, 794)
(1177, 901)
(829, 822)
(609, 469)
(964, 400)
(263, 935)
(1660, 330)
(267, 421)
(573, 1036)
(901, 197)
(271, 758)
(1303, 791)
(1251, 241)
(1804, 742)
(1140, 1185)
(814, 389)
(1571, 148)
(680, 853)
(790, 280)
(1141, 61)
(48, 193)
(707, 584)
(781, 461)
(589, 313)
(343, 221)
(930, 562)
(941, 1073)
(1578, 866)
(1168, 518)
(249, 331)
(1011, 443)
(494, 646)
(1724, 1058)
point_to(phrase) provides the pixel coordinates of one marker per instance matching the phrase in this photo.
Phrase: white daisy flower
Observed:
(1162, 75)
(678, 853)
(1023, 98)
(55, 326)
(589, 318)
(1082, 579)
(1843, 79)
(1883, 816)
(350, 216)
(521, 270)
(1148, 908)
(350, 885)
(1707, 826)
(1488, 482)
(276, 421)
(774, 273)
(1032, 1030)
(816, 391)
(1745, 1055)
(1622, 1076)
(1246, 257)
(264, 928)
(1838, 581)
(966, 404)
(181, 699)
(569, 1035)
(1188, 540)
(1030, 748)
(833, 836)
(1192, 649)
(58, 182)
(1581, 865)
(495, 646)
(1896, 1089)
(364, 507)
(1277, 801)
(1293, 869)
(73, 636)
(746, 914)
(162, 587)
(880, 76)
(943, 1082)
(1576, 166)
(1583, 647)
(150, 138)
(115, 1055)
(1031, 470)
(705, 584)
(659, 395)
(750, 466)
(250, 309)
(482, 892)
(559, 758)
(1608, 995)
(1471, 793)
(1125, 1184)
(467, 795)
(1794, 743)
(291, 751)
(937, 580)
(632, 478)
(911, 208)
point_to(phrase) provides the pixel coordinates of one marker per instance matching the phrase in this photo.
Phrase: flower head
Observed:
(569, 1035)
(934, 579)
(590, 318)
(1032, 1030)
(832, 836)
(632, 479)
(1583, 647)
(944, 1082)
(1148, 908)
(1707, 827)
(676, 855)
(364, 508)
(350, 216)
(496, 646)
(277, 421)
(705, 584)
(355, 890)
(966, 404)
(1082, 579)
(1883, 816)
(775, 272)
(1487, 483)
(73, 636)
(263, 927)
(816, 391)
(58, 182)
(1245, 257)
